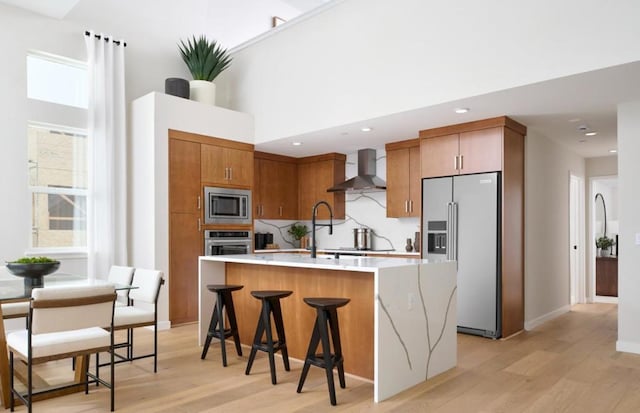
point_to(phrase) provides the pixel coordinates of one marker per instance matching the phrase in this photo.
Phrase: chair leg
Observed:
(313, 345)
(233, 323)
(266, 317)
(257, 339)
(97, 367)
(12, 400)
(337, 347)
(113, 375)
(212, 326)
(223, 347)
(155, 346)
(29, 384)
(326, 354)
(282, 340)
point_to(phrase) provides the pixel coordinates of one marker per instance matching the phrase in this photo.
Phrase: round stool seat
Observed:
(223, 287)
(323, 302)
(271, 294)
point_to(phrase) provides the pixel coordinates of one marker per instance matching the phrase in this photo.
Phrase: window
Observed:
(58, 184)
(57, 80)
(57, 153)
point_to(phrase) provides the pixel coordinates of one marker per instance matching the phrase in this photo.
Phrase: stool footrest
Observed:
(265, 347)
(318, 360)
(227, 333)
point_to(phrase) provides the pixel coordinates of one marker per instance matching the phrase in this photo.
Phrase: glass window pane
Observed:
(57, 157)
(58, 220)
(57, 81)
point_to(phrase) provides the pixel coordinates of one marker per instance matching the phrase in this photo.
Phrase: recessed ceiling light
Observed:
(461, 110)
(366, 129)
(613, 151)
(296, 143)
(591, 134)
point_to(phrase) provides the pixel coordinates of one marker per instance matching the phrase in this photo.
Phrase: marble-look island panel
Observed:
(399, 329)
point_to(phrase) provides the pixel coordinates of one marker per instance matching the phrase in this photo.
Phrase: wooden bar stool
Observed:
(326, 320)
(216, 327)
(270, 305)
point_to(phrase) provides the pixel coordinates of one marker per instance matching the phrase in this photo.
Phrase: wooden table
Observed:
(12, 290)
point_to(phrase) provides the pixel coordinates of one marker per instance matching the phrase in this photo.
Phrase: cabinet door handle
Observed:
(461, 161)
(410, 206)
(231, 174)
(280, 210)
(261, 210)
(225, 173)
(405, 206)
(199, 203)
(199, 225)
(455, 162)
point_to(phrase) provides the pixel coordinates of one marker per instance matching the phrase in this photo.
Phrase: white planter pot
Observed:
(202, 91)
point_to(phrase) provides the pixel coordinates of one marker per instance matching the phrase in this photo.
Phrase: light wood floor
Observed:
(567, 365)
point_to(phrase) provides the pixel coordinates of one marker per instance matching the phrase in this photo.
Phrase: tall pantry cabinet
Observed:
(163, 197)
(489, 145)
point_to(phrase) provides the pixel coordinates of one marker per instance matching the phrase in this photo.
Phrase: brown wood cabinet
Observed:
(489, 145)
(227, 166)
(196, 161)
(466, 152)
(275, 186)
(185, 236)
(607, 276)
(403, 179)
(316, 174)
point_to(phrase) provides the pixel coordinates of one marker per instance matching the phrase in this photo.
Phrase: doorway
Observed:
(603, 268)
(577, 279)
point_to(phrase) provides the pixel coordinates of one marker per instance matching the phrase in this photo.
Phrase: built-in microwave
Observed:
(227, 206)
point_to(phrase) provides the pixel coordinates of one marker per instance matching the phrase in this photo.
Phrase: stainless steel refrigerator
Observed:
(461, 221)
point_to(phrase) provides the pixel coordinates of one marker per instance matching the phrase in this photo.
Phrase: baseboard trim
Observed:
(604, 299)
(628, 347)
(530, 325)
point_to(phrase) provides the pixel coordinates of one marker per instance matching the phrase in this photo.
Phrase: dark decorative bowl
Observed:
(33, 273)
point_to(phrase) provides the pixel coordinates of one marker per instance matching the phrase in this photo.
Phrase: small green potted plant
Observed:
(603, 244)
(297, 231)
(32, 269)
(206, 59)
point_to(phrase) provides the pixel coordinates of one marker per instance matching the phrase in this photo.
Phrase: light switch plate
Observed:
(637, 238)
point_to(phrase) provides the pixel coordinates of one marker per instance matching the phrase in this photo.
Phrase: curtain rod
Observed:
(106, 39)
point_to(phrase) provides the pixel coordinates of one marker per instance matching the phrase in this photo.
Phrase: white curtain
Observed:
(107, 200)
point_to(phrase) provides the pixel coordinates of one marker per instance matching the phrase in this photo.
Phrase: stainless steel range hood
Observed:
(366, 180)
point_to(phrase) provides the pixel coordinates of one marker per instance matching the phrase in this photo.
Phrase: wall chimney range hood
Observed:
(366, 180)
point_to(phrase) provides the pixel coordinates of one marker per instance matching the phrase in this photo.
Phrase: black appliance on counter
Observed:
(262, 239)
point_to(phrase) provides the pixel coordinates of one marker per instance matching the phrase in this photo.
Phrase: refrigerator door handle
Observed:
(454, 231)
(449, 223)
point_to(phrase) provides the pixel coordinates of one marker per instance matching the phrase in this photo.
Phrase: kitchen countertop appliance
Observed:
(461, 222)
(220, 242)
(362, 238)
(262, 239)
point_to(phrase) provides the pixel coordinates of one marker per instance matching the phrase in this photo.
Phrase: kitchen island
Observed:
(398, 330)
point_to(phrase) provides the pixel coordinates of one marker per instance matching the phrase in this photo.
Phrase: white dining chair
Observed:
(121, 275)
(142, 312)
(64, 322)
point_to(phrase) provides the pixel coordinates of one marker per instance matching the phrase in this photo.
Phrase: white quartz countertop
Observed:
(328, 262)
(340, 251)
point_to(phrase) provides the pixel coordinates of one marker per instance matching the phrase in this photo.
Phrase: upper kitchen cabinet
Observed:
(316, 174)
(227, 163)
(468, 148)
(403, 179)
(275, 186)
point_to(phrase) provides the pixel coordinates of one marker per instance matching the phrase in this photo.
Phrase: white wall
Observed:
(629, 260)
(363, 59)
(547, 169)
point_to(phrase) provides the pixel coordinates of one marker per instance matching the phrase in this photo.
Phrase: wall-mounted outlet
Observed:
(637, 238)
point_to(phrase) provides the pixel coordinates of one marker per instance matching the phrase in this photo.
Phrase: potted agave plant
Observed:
(206, 60)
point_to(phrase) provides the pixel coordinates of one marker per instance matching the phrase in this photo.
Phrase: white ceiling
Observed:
(53, 8)
(555, 108)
